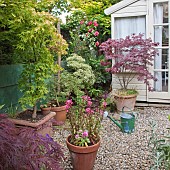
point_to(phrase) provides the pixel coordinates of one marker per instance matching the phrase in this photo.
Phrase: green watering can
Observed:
(127, 124)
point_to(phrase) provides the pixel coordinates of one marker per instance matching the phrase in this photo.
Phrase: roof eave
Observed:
(118, 6)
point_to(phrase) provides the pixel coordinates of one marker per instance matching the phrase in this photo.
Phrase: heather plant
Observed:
(22, 148)
(132, 57)
(85, 116)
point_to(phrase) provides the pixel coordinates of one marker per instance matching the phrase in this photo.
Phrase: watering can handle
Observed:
(126, 107)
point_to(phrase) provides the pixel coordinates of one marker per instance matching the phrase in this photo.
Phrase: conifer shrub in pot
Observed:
(131, 58)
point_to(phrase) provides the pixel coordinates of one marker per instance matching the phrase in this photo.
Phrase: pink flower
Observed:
(77, 136)
(95, 23)
(81, 22)
(90, 30)
(97, 43)
(89, 110)
(89, 103)
(96, 33)
(85, 133)
(89, 23)
(104, 104)
(69, 102)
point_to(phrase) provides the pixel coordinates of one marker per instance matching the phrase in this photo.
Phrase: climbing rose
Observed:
(97, 43)
(95, 23)
(96, 33)
(90, 30)
(81, 22)
(89, 23)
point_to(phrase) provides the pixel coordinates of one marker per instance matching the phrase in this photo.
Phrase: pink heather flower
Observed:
(81, 22)
(86, 98)
(89, 23)
(89, 103)
(89, 110)
(69, 102)
(87, 34)
(97, 43)
(95, 23)
(85, 133)
(90, 30)
(104, 104)
(96, 33)
(77, 136)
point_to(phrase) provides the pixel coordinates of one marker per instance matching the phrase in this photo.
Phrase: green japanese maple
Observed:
(34, 39)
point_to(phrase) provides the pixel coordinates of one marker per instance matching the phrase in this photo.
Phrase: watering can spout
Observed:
(113, 120)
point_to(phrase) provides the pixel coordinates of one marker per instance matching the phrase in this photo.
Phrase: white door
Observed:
(159, 32)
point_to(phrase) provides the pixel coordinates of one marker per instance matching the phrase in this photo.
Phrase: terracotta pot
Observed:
(43, 126)
(128, 102)
(60, 116)
(45, 110)
(82, 158)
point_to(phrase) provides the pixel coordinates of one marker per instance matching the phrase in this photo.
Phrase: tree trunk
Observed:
(34, 115)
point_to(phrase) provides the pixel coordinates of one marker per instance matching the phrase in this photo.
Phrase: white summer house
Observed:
(152, 18)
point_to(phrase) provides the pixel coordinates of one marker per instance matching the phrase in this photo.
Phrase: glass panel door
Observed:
(161, 35)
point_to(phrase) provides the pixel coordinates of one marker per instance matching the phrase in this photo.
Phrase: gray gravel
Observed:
(121, 151)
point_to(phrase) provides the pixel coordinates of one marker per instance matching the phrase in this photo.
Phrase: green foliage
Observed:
(160, 149)
(12, 111)
(32, 33)
(78, 76)
(94, 10)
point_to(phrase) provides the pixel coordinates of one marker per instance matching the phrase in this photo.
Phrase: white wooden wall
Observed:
(136, 9)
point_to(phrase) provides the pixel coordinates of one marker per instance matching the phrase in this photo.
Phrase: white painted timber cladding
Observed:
(139, 8)
(134, 84)
(135, 9)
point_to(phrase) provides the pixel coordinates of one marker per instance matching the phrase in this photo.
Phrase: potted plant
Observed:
(75, 79)
(35, 45)
(85, 117)
(131, 58)
(23, 148)
(45, 108)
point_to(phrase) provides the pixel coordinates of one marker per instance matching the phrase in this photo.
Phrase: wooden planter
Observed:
(42, 126)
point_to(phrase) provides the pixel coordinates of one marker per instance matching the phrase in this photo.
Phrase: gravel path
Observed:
(121, 151)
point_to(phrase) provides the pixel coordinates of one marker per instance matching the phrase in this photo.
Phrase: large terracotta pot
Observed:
(60, 116)
(82, 158)
(128, 102)
(43, 126)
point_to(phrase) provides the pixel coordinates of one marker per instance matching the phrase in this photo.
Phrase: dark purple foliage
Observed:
(23, 149)
(132, 55)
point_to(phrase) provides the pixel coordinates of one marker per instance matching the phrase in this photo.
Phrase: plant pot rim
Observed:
(32, 124)
(58, 108)
(125, 96)
(80, 149)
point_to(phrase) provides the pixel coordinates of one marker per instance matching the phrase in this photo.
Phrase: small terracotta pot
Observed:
(82, 158)
(45, 110)
(60, 116)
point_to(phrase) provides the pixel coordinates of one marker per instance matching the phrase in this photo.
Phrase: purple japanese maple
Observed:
(23, 149)
(132, 57)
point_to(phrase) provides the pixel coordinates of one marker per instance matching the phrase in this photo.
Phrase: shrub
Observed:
(23, 148)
